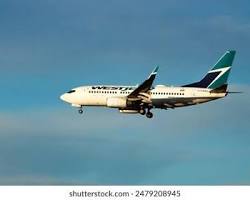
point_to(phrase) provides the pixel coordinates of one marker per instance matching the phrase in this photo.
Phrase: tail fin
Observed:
(218, 75)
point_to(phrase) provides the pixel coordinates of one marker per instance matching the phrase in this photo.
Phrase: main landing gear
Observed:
(149, 114)
(142, 111)
(80, 111)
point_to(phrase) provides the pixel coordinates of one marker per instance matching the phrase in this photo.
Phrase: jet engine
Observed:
(117, 102)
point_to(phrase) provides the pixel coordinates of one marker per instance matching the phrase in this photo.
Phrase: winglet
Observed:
(146, 85)
(154, 72)
(156, 69)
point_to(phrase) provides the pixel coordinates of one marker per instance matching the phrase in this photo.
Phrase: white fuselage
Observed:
(160, 96)
(144, 97)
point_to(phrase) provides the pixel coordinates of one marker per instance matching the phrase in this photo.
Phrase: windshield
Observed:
(71, 91)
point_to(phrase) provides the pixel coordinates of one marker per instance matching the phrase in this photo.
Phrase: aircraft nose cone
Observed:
(63, 97)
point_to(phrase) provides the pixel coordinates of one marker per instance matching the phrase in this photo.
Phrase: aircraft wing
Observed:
(144, 87)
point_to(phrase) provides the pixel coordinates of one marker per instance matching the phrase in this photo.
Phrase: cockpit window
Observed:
(71, 91)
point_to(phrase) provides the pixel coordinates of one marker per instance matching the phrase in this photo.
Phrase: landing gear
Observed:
(142, 111)
(149, 114)
(80, 111)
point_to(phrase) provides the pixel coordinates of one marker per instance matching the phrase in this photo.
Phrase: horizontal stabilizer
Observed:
(234, 92)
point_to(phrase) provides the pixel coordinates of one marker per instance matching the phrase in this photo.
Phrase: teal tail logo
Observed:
(217, 77)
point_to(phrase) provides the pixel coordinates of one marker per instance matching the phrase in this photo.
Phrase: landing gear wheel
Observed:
(80, 111)
(149, 115)
(142, 111)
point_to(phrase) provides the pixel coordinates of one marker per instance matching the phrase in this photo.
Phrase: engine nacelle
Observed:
(117, 102)
(76, 105)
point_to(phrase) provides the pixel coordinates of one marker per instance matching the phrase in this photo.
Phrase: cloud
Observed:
(115, 35)
(229, 24)
(106, 147)
(48, 46)
(57, 120)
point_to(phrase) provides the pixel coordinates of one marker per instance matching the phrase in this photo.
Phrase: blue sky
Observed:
(48, 47)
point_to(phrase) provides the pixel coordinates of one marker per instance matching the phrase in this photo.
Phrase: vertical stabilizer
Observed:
(218, 75)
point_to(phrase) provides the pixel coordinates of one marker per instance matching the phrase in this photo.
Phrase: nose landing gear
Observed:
(80, 111)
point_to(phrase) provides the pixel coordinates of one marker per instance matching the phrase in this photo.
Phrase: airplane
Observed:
(143, 98)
